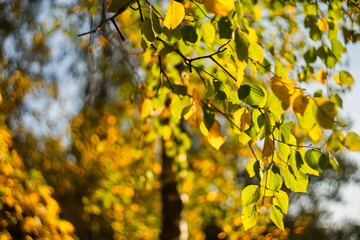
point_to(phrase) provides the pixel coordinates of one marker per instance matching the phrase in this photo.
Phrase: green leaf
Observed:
(256, 55)
(189, 34)
(208, 33)
(310, 56)
(147, 31)
(283, 151)
(248, 216)
(337, 48)
(252, 94)
(281, 200)
(155, 22)
(316, 159)
(346, 78)
(242, 47)
(334, 163)
(335, 98)
(225, 28)
(258, 119)
(285, 131)
(116, 5)
(294, 177)
(279, 69)
(209, 117)
(325, 112)
(180, 89)
(253, 168)
(352, 141)
(250, 195)
(335, 142)
(277, 216)
(271, 181)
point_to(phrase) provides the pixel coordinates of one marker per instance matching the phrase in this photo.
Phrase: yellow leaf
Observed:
(203, 129)
(145, 107)
(299, 102)
(257, 12)
(167, 131)
(242, 119)
(241, 65)
(221, 7)
(283, 88)
(337, 79)
(323, 25)
(269, 147)
(315, 133)
(194, 116)
(214, 136)
(321, 76)
(252, 36)
(187, 186)
(175, 13)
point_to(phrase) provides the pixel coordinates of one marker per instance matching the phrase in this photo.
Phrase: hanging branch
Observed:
(112, 19)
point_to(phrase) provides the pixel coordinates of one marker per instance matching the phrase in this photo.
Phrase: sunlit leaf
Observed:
(248, 216)
(316, 159)
(252, 94)
(352, 141)
(219, 7)
(335, 142)
(250, 195)
(208, 33)
(175, 13)
(321, 76)
(242, 118)
(277, 216)
(145, 107)
(281, 199)
(323, 25)
(215, 138)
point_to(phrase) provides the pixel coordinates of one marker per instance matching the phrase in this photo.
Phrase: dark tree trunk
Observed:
(171, 202)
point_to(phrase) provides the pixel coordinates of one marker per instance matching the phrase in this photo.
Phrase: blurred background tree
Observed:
(81, 158)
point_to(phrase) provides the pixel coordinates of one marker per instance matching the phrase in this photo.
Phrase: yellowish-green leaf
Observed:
(248, 216)
(316, 159)
(334, 163)
(352, 141)
(253, 94)
(253, 167)
(277, 216)
(281, 199)
(175, 13)
(250, 195)
(335, 141)
(208, 33)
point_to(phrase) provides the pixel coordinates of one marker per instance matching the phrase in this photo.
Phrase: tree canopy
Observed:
(199, 118)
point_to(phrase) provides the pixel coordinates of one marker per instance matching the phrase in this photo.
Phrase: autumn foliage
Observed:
(199, 118)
